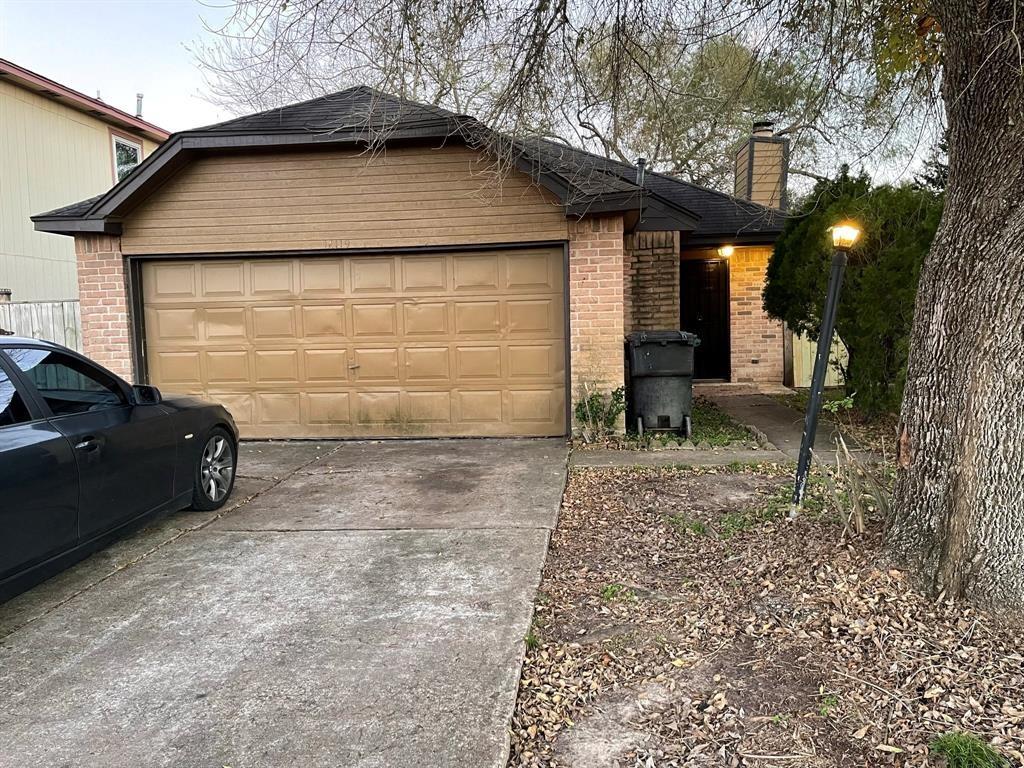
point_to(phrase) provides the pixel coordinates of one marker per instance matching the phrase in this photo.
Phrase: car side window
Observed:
(12, 408)
(67, 384)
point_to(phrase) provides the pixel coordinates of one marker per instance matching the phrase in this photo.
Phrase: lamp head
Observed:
(844, 235)
(726, 251)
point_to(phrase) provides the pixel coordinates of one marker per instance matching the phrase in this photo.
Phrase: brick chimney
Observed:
(762, 167)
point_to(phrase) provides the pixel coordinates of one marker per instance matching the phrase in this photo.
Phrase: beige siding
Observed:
(50, 155)
(742, 166)
(341, 199)
(766, 183)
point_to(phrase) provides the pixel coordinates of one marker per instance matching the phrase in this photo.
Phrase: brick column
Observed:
(757, 341)
(652, 281)
(596, 304)
(103, 299)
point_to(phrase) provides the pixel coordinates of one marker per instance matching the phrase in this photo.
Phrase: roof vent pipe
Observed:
(641, 166)
(138, 105)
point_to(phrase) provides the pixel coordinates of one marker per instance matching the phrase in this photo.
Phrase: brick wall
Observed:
(757, 340)
(596, 315)
(651, 299)
(104, 302)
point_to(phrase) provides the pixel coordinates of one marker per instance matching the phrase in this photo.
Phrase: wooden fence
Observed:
(58, 321)
(804, 351)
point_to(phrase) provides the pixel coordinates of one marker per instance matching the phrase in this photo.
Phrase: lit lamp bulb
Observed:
(844, 235)
(726, 251)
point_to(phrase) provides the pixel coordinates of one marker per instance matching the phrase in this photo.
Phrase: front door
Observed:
(704, 310)
(125, 451)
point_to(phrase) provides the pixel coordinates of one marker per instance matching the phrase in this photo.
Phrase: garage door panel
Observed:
(535, 272)
(329, 408)
(478, 318)
(278, 407)
(379, 408)
(178, 369)
(427, 407)
(326, 366)
(476, 273)
(427, 364)
(276, 366)
(425, 319)
(274, 322)
(375, 320)
(413, 344)
(480, 406)
(373, 275)
(424, 273)
(323, 320)
(170, 281)
(225, 324)
(478, 362)
(222, 280)
(318, 277)
(226, 366)
(272, 278)
(376, 364)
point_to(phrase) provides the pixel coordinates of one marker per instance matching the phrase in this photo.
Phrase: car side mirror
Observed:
(146, 395)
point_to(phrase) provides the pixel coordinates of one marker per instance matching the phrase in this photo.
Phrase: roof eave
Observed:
(72, 226)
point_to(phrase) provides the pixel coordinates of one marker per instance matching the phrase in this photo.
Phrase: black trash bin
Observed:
(660, 365)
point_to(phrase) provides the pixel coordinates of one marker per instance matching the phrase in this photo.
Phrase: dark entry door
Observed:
(704, 310)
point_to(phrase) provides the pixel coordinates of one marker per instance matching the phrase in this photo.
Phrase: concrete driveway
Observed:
(361, 604)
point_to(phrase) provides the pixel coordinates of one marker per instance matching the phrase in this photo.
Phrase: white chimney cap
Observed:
(764, 128)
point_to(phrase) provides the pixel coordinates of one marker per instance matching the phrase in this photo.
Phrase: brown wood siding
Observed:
(341, 199)
(766, 184)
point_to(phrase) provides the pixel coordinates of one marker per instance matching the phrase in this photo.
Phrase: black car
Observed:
(84, 456)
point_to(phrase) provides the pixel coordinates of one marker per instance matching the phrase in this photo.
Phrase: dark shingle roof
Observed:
(584, 181)
(352, 109)
(718, 212)
(72, 211)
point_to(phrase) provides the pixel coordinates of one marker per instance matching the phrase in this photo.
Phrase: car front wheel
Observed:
(215, 471)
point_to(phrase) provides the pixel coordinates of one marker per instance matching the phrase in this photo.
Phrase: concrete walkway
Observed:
(720, 457)
(365, 606)
(781, 425)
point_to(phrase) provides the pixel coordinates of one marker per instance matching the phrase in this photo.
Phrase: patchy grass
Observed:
(713, 426)
(615, 591)
(965, 750)
(532, 641)
(876, 432)
(786, 638)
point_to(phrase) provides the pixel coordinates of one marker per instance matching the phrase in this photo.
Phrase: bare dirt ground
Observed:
(682, 621)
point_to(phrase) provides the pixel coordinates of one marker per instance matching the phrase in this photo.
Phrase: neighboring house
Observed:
(417, 288)
(55, 145)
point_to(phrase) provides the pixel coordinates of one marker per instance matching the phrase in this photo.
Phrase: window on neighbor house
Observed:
(127, 154)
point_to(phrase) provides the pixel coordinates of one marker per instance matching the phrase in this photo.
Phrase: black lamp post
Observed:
(844, 235)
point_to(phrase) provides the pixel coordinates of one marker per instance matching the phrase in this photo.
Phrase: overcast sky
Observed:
(119, 48)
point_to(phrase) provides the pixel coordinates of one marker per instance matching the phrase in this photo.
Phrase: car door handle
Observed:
(88, 444)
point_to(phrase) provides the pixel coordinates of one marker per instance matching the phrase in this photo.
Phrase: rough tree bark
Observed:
(958, 511)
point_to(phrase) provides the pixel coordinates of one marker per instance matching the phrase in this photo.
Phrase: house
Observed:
(362, 265)
(56, 145)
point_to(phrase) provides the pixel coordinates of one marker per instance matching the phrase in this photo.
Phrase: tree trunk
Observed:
(958, 511)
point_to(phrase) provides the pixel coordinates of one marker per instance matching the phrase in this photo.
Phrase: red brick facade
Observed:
(651, 287)
(103, 298)
(596, 315)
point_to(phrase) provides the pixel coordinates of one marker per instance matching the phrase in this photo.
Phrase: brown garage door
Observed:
(411, 345)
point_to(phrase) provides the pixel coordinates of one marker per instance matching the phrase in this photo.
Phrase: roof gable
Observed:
(583, 182)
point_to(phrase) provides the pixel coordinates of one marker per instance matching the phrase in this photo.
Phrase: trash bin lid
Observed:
(637, 338)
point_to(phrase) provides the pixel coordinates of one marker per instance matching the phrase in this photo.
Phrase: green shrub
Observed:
(965, 750)
(877, 303)
(597, 413)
